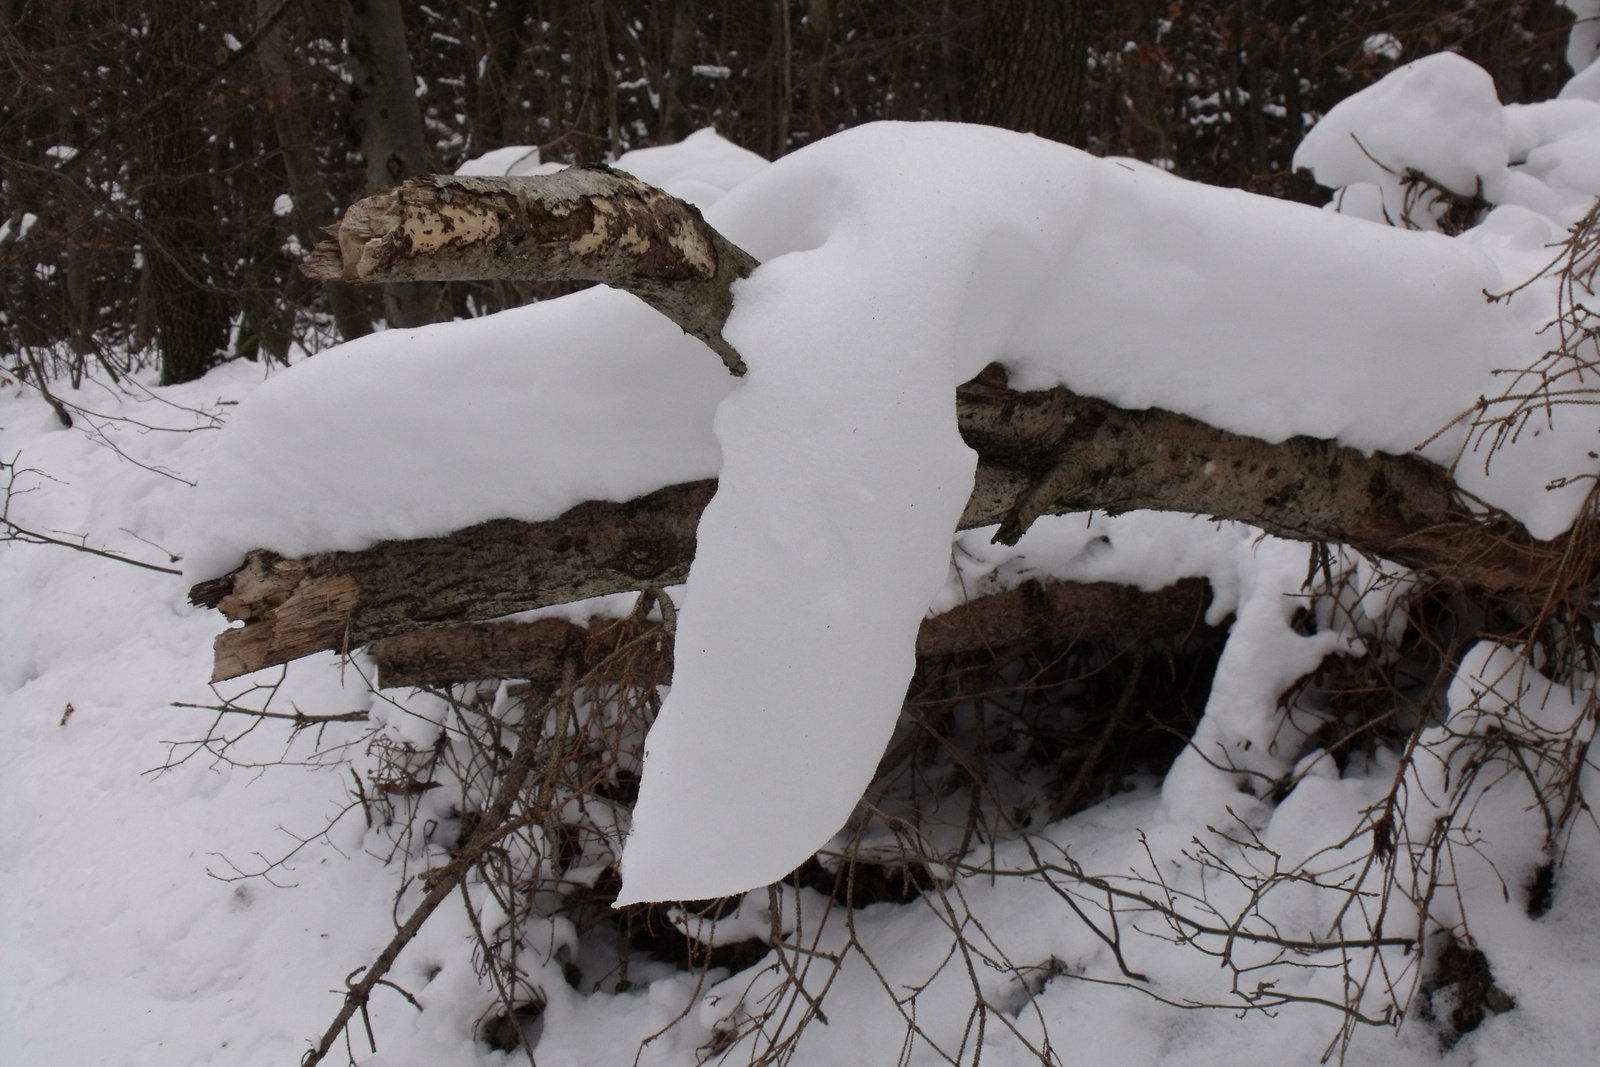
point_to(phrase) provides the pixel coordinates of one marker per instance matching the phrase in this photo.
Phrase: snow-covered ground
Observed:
(898, 260)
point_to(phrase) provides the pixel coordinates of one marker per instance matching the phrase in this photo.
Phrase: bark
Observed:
(389, 122)
(583, 224)
(1061, 612)
(342, 600)
(313, 207)
(1031, 60)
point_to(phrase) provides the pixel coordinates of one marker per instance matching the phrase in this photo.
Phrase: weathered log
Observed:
(342, 600)
(1054, 452)
(1045, 452)
(1039, 452)
(583, 224)
(1035, 611)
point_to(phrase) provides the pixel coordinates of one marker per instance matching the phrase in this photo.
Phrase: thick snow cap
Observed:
(1439, 116)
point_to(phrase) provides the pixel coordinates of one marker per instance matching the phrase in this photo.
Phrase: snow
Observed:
(1138, 300)
(23, 226)
(515, 161)
(104, 872)
(416, 433)
(1439, 115)
(700, 169)
(898, 260)
(1583, 44)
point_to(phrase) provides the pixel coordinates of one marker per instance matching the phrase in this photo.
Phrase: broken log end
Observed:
(326, 263)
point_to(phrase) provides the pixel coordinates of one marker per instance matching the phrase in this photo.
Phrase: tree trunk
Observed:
(313, 207)
(595, 130)
(1031, 60)
(389, 122)
(192, 317)
(782, 95)
(1043, 452)
(583, 224)
(676, 120)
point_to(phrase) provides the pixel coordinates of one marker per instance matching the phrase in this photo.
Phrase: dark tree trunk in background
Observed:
(182, 244)
(819, 31)
(782, 78)
(595, 123)
(313, 207)
(389, 120)
(1031, 61)
(498, 34)
(676, 123)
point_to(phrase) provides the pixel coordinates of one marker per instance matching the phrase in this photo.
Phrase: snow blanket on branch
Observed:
(897, 261)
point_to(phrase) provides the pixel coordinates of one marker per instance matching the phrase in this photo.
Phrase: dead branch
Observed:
(582, 224)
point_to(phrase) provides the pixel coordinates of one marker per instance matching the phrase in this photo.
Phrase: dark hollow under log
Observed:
(1060, 612)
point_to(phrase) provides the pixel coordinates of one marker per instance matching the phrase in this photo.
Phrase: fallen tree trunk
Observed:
(1033, 612)
(1039, 452)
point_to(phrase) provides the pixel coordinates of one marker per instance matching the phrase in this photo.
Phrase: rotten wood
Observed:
(582, 224)
(1054, 611)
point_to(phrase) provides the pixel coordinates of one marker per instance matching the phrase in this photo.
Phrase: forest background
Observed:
(166, 164)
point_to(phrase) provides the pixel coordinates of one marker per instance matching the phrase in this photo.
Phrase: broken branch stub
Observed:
(590, 224)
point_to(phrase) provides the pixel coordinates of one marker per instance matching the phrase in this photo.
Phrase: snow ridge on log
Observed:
(582, 224)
